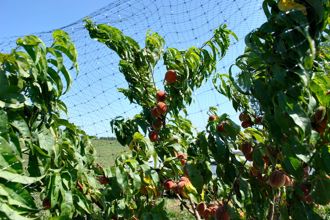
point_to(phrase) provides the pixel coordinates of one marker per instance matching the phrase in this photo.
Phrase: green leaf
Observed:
(67, 205)
(46, 140)
(258, 135)
(319, 85)
(196, 174)
(17, 196)
(219, 151)
(293, 165)
(121, 178)
(20, 124)
(18, 178)
(63, 43)
(11, 105)
(303, 211)
(56, 79)
(325, 155)
(81, 202)
(33, 165)
(12, 213)
(3, 122)
(320, 191)
(9, 157)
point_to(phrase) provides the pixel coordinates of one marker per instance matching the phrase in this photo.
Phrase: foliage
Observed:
(275, 165)
(41, 153)
(139, 183)
(282, 92)
(285, 73)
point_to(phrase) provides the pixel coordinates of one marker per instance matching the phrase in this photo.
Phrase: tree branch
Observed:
(194, 209)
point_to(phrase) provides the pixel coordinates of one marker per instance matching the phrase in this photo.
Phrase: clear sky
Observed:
(21, 17)
(94, 100)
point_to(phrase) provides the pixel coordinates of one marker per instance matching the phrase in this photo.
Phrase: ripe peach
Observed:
(212, 117)
(182, 157)
(320, 128)
(180, 188)
(288, 181)
(255, 172)
(103, 180)
(170, 76)
(46, 203)
(305, 188)
(201, 209)
(246, 124)
(246, 147)
(259, 119)
(306, 171)
(143, 190)
(213, 209)
(249, 156)
(154, 112)
(244, 117)
(184, 179)
(277, 179)
(153, 136)
(221, 127)
(160, 96)
(157, 124)
(170, 185)
(222, 213)
(247, 150)
(320, 120)
(319, 114)
(161, 108)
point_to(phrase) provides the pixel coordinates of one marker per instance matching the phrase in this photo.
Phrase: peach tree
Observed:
(281, 88)
(43, 157)
(138, 185)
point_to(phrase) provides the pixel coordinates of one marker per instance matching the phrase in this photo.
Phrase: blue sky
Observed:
(21, 17)
(93, 100)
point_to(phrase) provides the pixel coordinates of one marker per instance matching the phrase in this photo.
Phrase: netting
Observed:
(94, 101)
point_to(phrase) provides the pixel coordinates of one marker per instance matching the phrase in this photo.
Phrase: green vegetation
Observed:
(46, 162)
(107, 151)
(282, 92)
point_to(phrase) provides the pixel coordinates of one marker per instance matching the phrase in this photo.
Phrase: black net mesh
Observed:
(94, 101)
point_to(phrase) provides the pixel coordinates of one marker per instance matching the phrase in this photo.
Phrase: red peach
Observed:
(161, 108)
(154, 112)
(153, 136)
(212, 117)
(170, 76)
(160, 96)
(277, 179)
